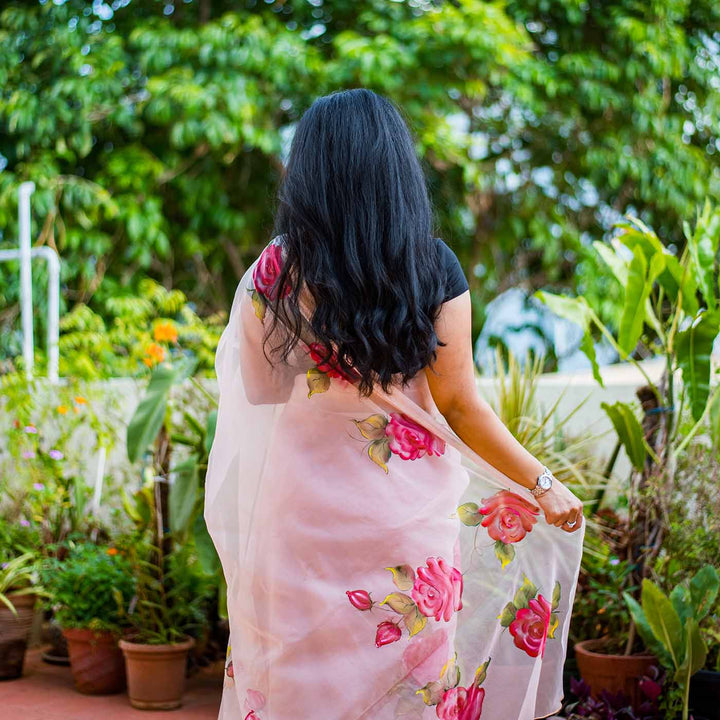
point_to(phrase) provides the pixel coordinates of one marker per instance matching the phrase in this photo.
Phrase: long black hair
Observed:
(356, 222)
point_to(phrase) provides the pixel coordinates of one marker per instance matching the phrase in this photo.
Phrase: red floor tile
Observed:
(45, 692)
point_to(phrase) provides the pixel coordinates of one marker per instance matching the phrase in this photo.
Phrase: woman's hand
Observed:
(561, 507)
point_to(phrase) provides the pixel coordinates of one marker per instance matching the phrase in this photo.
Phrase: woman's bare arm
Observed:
(453, 387)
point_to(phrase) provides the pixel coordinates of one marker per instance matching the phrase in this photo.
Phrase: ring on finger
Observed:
(571, 524)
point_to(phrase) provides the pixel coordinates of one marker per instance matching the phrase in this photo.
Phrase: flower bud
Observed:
(387, 632)
(360, 599)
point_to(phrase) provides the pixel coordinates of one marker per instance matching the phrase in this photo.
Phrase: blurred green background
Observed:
(155, 132)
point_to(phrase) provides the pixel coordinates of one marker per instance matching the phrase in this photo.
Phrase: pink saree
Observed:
(377, 568)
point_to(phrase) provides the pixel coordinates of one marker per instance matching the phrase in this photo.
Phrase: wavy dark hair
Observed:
(356, 219)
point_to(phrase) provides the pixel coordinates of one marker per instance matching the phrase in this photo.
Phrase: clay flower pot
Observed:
(14, 632)
(96, 661)
(156, 673)
(614, 673)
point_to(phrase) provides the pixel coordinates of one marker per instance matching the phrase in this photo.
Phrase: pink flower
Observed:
(266, 272)
(425, 656)
(255, 700)
(31, 429)
(461, 703)
(28, 454)
(387, 632)
(438, 589)
(530, 626)
(56, 455)
(318, 352)
(411, 441)
(508, 517)
(359, 599)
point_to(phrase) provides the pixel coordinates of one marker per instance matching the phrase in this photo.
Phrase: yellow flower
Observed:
(80, 400)
(165, 332)
(155, 354)
(62, 409)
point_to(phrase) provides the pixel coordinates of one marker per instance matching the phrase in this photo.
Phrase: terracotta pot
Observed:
(156, 674)
(614, 673)
(57, 653)
(96, 661)
(14, 632)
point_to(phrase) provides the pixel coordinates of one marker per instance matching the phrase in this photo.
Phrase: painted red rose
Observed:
(318, 353)
(461, 703)
(437, 589)
(508, 517)
(359, 599)
(411, 441)
(530, 626)
(387, 632)
(266, 272)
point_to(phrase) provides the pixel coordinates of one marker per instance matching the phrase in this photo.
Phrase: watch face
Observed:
(545, 482)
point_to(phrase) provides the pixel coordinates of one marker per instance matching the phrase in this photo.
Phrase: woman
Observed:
(361, 583)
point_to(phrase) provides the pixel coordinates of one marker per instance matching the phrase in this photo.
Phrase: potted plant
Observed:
(670, 309)
(18, 594)
(670, 626)
(89, 591)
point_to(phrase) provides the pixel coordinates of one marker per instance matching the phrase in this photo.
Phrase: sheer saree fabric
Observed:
(377, 568)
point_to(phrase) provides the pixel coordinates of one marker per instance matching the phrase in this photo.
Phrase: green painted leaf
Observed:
(373, 427)
(508, 614)
(505, 552)
(317, 381)
(703, 591)
(183, 493)
(694, 348)
(399, 603)
(524, 593)
(629, 432)
(259, 305)
(557, 593)
(379, 452)
(414, 621)
(663, 620)
(481, 673)
(553, 626)
(403, 576)
(469, 514)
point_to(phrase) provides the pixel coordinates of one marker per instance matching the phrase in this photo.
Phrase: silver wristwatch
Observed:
(544, 483)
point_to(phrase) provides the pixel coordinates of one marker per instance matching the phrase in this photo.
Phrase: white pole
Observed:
(24, 230)
(99, 475)
(53, 312)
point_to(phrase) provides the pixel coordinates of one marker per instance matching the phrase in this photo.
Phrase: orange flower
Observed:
(155, 354)
(62, 409)
(165, 332)
(80, 400)
(112, 551)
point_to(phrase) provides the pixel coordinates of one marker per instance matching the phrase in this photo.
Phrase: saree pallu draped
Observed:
(377, 568)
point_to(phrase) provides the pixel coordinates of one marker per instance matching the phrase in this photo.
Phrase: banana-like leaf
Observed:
(703, 247)
(629, 432)
(703, 591)
(680, 598)
(641, 277)
(694, 348)
(150, 413)
(613, 261)
(209, 561)
(694, 655)
(575, 310)
(183, 493)
(663, 621)
(645, 632)
(210, 426)
(679, 277)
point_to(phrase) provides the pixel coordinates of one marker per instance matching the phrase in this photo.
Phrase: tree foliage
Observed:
(155, 131)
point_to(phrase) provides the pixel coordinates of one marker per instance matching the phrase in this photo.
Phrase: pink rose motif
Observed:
(411, 441)
(387, 632)
(530, 626)
(438, 588)
(266, 272)
(359, 599)
(461, 703)
(254, 700)
(508, 517)
(251, 716)
(425, 656)
(317, 352)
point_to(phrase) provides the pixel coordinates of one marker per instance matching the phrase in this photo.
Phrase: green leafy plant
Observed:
(670, 309)
(90, 588)
(18, 577)
(670, 625)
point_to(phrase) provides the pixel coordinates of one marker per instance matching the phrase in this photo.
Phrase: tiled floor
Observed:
(45, 692)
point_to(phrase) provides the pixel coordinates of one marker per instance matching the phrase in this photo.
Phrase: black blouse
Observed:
(455, 282)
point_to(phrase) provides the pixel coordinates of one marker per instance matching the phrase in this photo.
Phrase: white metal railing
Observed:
(25, 253)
